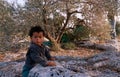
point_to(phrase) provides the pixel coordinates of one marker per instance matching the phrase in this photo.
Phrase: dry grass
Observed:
(81, 52)
(1, 56)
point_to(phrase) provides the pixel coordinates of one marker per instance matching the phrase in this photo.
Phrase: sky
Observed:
(20, 2)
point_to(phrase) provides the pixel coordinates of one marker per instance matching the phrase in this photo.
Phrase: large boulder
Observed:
(105, 64)
(55, 71)
(105, 46)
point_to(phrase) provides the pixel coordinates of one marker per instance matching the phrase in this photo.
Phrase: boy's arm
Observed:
(47, 53)
(39, 59)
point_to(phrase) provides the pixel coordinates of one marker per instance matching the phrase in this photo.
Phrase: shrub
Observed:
(68, 45)
(82, 32)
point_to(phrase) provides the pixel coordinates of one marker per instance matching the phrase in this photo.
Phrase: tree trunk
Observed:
(113, 27)
(113, 32)
(55, 45)
(63, 28)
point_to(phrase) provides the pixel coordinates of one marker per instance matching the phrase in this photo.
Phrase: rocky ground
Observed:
(82, 62)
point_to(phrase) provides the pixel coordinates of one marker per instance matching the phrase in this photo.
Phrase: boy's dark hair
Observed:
(36, 29)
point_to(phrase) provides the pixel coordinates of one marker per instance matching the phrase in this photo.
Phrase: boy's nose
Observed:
(37, 38)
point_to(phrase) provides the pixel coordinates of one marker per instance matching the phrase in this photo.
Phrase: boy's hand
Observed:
(51, 63)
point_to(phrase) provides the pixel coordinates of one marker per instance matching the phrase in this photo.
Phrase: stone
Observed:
(105, 64)
(11, 69)
(55, 71)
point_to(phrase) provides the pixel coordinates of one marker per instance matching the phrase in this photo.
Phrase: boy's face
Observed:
(37, 38)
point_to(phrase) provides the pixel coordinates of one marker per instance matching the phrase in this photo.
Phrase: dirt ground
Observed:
(1, 56)
(80, 52)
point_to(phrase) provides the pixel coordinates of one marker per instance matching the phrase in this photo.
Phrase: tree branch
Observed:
(75, 12)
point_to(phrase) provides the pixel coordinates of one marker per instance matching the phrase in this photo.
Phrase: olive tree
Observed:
(6, 25)
(55, 16)
(52, 15)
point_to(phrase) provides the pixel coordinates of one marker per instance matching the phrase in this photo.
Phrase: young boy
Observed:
(37, 52)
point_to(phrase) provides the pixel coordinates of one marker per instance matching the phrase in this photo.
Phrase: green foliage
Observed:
(47, 43)
(69, 45)
(82, 32)
(67, 37)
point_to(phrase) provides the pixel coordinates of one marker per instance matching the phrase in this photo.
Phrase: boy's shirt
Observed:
(37, 54)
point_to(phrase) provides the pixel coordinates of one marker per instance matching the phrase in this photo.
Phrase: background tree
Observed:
(6, 25)
(56, 17)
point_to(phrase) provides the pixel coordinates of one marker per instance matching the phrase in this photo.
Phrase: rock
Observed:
(76, 66)
(114, 64)
(55, 71)
(106, 60)
(105, 64)
(105, 47)
(11, 69)
(104, 56)
(105, 73)
(94, 73)
(108, 73)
